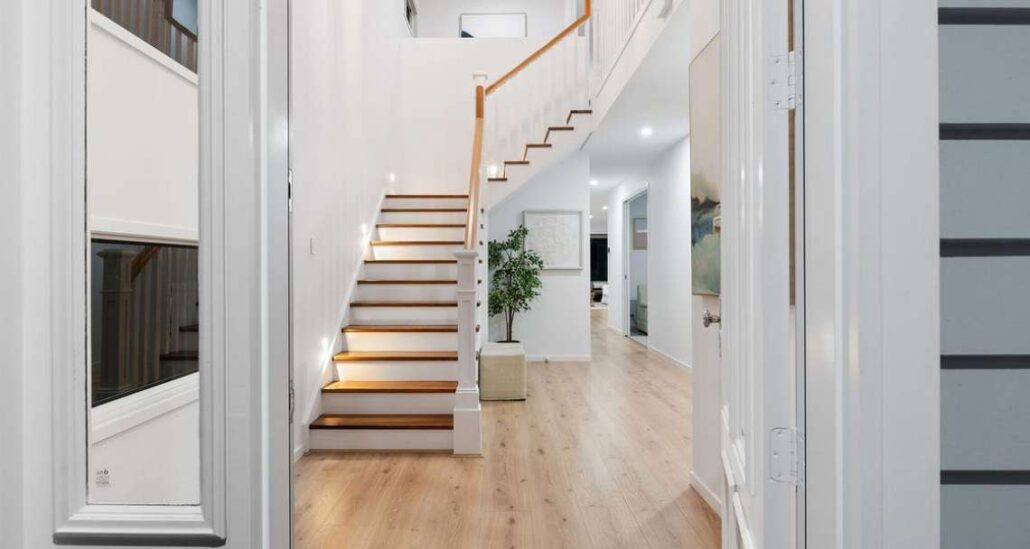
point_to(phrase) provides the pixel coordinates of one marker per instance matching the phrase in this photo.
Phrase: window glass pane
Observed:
(144, 318)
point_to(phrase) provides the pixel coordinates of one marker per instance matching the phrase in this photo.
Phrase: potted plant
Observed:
(514, 283)
(514, 278)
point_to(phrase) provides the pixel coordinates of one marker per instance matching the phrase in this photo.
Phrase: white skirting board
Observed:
(558, 358)
(710, 497)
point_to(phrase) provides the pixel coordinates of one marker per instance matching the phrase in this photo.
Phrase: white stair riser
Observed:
(404, 315)
(422, 217)
(401, 341)
(425, 203)
(452, 234)
(414, 292)
(388, 370)
(406, 271)
(387, 403)
(381, 439)
(415, 251)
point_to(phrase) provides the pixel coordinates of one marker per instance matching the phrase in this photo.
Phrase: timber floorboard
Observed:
(598, 456)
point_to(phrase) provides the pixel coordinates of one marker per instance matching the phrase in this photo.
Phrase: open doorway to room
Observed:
(598, 270)
(635, 267)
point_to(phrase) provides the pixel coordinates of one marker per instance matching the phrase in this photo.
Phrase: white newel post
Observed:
(467, 428)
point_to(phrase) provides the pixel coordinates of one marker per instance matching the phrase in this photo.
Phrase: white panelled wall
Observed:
(344, 126)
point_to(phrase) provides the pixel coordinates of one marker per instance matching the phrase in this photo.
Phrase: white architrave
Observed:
(872, 288)
(245, 457)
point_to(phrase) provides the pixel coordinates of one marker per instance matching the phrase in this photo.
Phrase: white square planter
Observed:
(502, 372)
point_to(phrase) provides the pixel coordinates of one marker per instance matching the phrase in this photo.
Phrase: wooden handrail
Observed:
(542, 50)
(471, 219)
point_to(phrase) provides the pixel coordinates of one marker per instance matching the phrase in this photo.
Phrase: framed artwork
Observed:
(706, 172)
(492, 25)
(557, 236)
(640, 233)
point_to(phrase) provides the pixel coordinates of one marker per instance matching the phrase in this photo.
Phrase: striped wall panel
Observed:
(985, 272)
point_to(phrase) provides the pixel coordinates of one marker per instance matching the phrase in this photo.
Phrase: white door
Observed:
(761, 451)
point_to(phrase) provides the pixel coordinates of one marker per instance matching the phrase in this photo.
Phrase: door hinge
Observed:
(292, 400)
(785, 76)
(289, 189)
(786, 455)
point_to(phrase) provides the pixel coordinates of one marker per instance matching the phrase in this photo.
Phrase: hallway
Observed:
(598, 456)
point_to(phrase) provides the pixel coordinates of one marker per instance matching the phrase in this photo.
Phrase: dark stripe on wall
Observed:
(997, 132)
(983, 16)
(985, 362)
(985, 478)
(985, 247)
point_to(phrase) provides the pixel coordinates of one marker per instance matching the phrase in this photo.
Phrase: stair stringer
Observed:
(564, 144)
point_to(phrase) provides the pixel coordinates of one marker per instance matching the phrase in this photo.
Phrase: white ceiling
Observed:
(655, 96)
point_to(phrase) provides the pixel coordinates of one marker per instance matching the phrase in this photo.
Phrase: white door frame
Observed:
(627, 257)
(872, 242)
(244, 407)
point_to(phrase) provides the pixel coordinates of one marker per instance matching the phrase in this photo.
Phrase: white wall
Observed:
(143, 135)
(669, 308)
(706, 468)
(148, 443)
(437, 105)
(557, 326)
(344, 134)
(544, 18)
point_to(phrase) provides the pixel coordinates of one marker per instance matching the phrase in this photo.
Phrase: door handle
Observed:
(708, 318)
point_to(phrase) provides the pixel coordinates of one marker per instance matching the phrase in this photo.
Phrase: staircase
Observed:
(407, 378)
(398, 373)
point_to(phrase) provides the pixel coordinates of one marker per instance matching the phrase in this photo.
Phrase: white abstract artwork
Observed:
(557, 236)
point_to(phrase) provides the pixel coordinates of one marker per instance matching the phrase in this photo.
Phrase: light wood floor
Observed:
(598, 456)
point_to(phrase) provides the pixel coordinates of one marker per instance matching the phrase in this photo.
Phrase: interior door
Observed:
(761, 442)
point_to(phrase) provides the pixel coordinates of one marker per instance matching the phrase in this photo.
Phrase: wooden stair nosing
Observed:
(396, 356)
(401, 328)
(404, 304)
(412, 261)
(418, 243)
(380, 387)
(497, 179)
(405, 281)
(428, 196)
(384, 421)
(420, 225)
(577, 111)
(424, 210)
(516, 162)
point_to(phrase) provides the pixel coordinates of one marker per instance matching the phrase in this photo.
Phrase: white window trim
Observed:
(244, 276)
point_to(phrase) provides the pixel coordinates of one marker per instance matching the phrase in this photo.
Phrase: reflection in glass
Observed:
(144, 317)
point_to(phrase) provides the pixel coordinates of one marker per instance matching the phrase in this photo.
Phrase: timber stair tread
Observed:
(577, 111)
(405, 281)
(384, 421)
(517, 162)
(351, 386)
(385, 303)
(181, 355)
(418, 242)
(538, 145)
(190, 328)
(424, 210)
(395, 356)
(412, 261)
(427, 196)
(400, 328)
(497, 179)
(420, 225)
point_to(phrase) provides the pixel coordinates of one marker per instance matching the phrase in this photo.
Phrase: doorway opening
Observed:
(635, 268)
